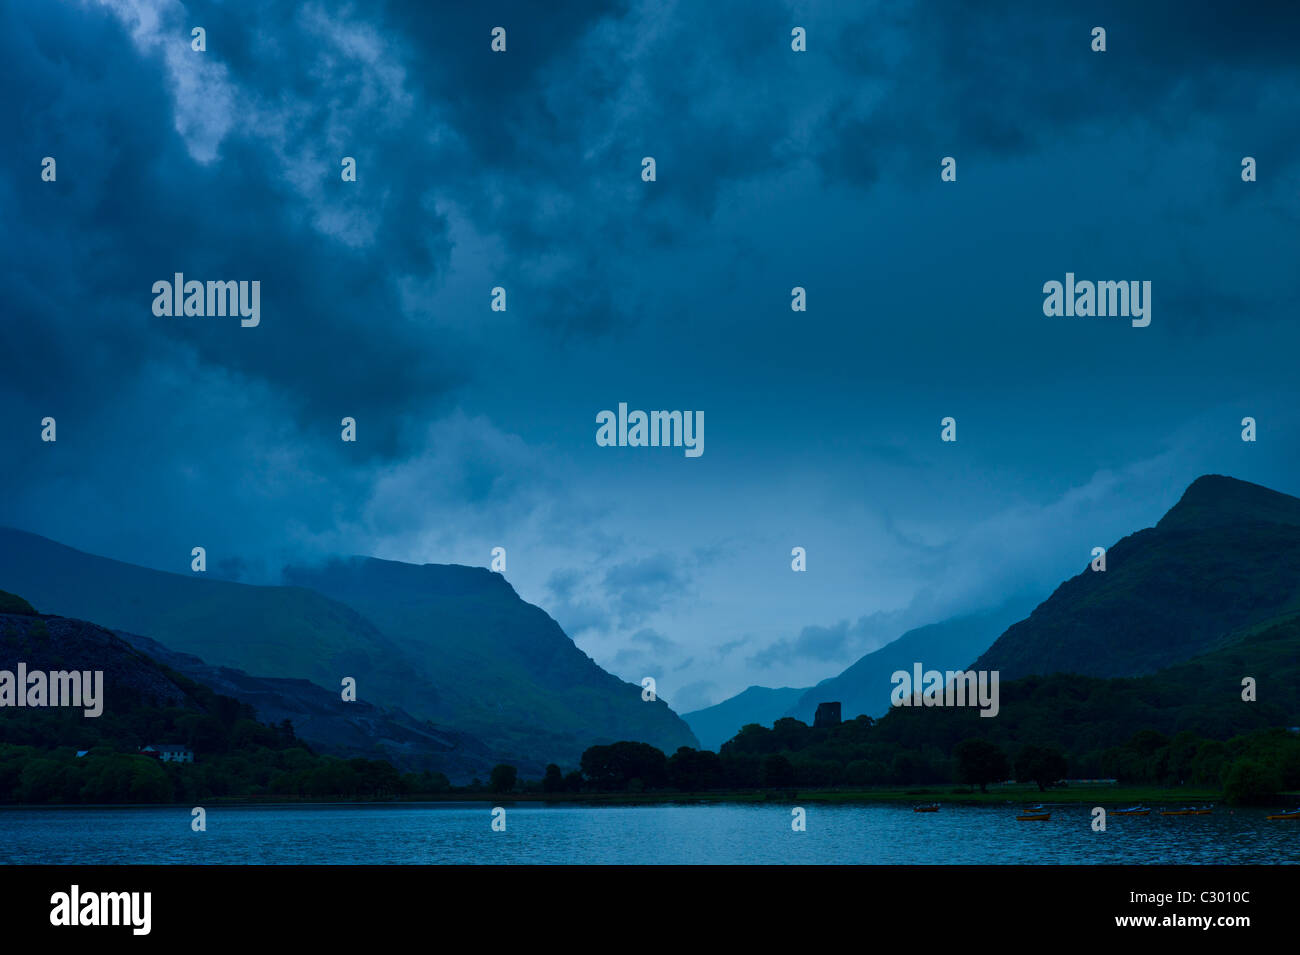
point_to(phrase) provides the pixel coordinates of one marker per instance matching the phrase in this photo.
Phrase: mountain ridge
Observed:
(1227, 555)
(465, 650)
(716, 724)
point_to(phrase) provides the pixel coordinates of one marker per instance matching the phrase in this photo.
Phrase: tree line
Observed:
(1251, 767)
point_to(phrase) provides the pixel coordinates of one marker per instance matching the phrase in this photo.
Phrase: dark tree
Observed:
(778, 772)
(693, 770)
(752, 738)
(612, 767)
(1249, 781)
(553, 781)
(503, 778)
(980, 762)
(1041, 765)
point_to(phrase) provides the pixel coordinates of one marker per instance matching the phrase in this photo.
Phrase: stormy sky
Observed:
(523, 169)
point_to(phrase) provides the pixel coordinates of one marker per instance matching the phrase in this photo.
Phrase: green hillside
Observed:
(1185, 724)
(55, 754)
(1084, 715)
(519, 682)
(1226, 557)
(265, 631)
(451, 644)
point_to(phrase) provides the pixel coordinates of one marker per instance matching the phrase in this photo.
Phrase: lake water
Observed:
(430, 833)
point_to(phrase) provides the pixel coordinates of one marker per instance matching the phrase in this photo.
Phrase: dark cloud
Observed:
(653, 641)
(640, 587)
(731, 646)
(136, 203)
(1008, 78)
(841, 642)
(523, 170)
(648, 649)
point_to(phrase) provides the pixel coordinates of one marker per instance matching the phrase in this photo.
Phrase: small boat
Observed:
(1293, 814)
(1186, 811)
(1036, 814)
(931, 808)
(1133, 811)
(1203, 811)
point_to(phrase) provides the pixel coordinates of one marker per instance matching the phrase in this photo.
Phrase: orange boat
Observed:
(1293, 814)
(1177, 812)
(1132, 811)
(1034, 817)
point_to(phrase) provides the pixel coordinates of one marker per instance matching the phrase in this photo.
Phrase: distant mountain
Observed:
(44, 642)
(716, 724)
(865, 686)
(335, 728)
(1083, 716)
(451, 644)
(91, 751)
(1226, 557)
(1184, 724)
(949, 645)
(266, 631)
(1217, 501)
(506, 671)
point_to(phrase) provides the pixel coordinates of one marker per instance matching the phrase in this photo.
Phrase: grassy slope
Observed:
(1082, 714)
(520, 682)
(1224, 558)
(265, 631)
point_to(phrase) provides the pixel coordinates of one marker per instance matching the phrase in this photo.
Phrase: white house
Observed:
(168, 753)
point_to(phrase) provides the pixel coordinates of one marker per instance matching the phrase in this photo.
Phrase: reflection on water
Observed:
(422, 834)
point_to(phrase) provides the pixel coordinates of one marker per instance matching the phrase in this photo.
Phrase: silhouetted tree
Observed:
(694, 770)
(778, 772)
(1041, 765)
(553, 781)
(980, 762)
(612, 767)
(1249, 781)
(503, 778)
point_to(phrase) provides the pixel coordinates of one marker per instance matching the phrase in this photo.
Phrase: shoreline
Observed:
(1108, 796)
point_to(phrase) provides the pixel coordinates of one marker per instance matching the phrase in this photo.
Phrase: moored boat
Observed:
(1132, 811)
(1292, 814)
(930, 808)
(1034, 814)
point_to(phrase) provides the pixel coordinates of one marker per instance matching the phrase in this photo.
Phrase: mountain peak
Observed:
(1225, 558)
(1214, 500)
(397, 580)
